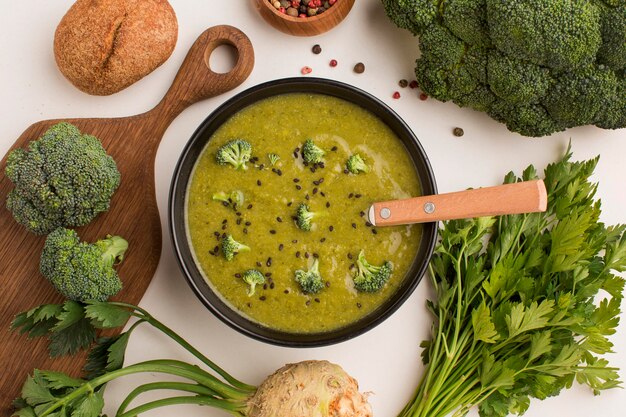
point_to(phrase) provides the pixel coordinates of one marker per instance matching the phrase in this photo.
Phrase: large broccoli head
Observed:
(82, 271)
(538, 66)
(64, 178)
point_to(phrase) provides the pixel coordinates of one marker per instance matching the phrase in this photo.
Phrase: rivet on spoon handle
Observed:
(521, 197)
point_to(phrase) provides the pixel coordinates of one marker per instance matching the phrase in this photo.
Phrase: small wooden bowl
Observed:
(304, 26)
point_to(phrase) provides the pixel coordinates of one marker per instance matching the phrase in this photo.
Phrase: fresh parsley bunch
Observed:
(524, 303)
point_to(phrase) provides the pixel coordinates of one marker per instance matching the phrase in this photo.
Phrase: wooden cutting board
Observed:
(133, 143)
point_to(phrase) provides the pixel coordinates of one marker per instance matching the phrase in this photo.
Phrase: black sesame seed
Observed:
(272, 285)
(217, 234)
(249, 206)
(358, 305)
(264, 286)
(362, 213)
(289, 204)
(224, 227)
(239, 221)
(321, 180)
(331, 228)
(368, 224)
(298, 187)
(315, 190)
(374, 231)
(322, 240)
(307, 197)
(262, 298)
(354, 225)
(237, 275)
(296, 180)
(295, 155)
(316, 183)
(281, 246)
(211, 253)
(259, 264)
(245, 231)
(258, 182)
(315, 255)
(225, 204)
(312, 169)
(321, 165)
(306, 255)
(262, 166)
(322, 194)
(279, 172)
(273, 231)
(238, 214)
(279, 220)
(334, 149)
(349, 256)
(248, 223)
(317, 300)
(223, 235)
(327, 284)
(286, 291)
(294, 241)
(308, 302)
(297, 254)
(327, 204)
(269, 262)
(357, 196)
(350, 195)
(345, 171)
(268, 274)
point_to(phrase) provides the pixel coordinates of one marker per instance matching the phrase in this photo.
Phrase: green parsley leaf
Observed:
(106, 315)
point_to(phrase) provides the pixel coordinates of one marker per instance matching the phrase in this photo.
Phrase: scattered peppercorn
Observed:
(403, 83)
(396, 95)
(333, 63)
(458, 132)
(316, 49)
(413, 84)
(359, 68)
(306, 70)
(423, 96)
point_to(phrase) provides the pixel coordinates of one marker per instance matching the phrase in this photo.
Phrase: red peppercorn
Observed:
(413, 84)
(396, 95)
(311, 4)
(295, 4)
(331, 2)
(423, 96)
(306, 70)
(333, 63)
(282, 10)
(301, 15)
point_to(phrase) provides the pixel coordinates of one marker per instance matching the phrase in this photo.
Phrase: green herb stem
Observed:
(170, 367)
(232, 408)
(143, 314)
(173, 386)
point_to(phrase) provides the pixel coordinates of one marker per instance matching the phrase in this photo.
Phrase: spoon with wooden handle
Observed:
(517, 198)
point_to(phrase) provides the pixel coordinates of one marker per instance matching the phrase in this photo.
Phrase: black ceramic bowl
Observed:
(177, 214)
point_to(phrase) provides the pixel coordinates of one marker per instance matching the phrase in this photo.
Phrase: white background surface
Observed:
(386, 359)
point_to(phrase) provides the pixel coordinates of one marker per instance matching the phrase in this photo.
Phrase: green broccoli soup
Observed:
(264, 233)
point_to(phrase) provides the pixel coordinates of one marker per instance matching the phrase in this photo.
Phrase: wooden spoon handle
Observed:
(196, 81)
(521, 197)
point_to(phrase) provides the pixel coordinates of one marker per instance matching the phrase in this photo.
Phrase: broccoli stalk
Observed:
(304, 217)
(310, 281)
(233, 199)
(356, 164)
(311, 153)
(230, 247)
(236, 153)
(82, 271)
(64, 178)
(371, 278)
(252, 277)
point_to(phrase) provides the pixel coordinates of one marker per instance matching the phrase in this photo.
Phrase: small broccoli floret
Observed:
(559, 34)
(304, 217)
(233, 199)
(371, 278)
(311, 153)
(613, 28)
(310, 281)
(252, 277)
(274, 158)
(236, 153)
(413, 15)
(230, 247)
(82, 271)
(467, 19)
(517, 81)
(64, 178)
(356, 164)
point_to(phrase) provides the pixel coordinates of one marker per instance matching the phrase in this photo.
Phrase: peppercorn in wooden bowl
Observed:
(295, 21)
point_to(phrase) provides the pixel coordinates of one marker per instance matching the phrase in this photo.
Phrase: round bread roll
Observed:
(103, 46)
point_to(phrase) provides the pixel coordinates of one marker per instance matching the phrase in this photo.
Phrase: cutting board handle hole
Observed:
(222, 59)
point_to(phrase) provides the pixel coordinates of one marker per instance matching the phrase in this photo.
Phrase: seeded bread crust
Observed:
(103, 46)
